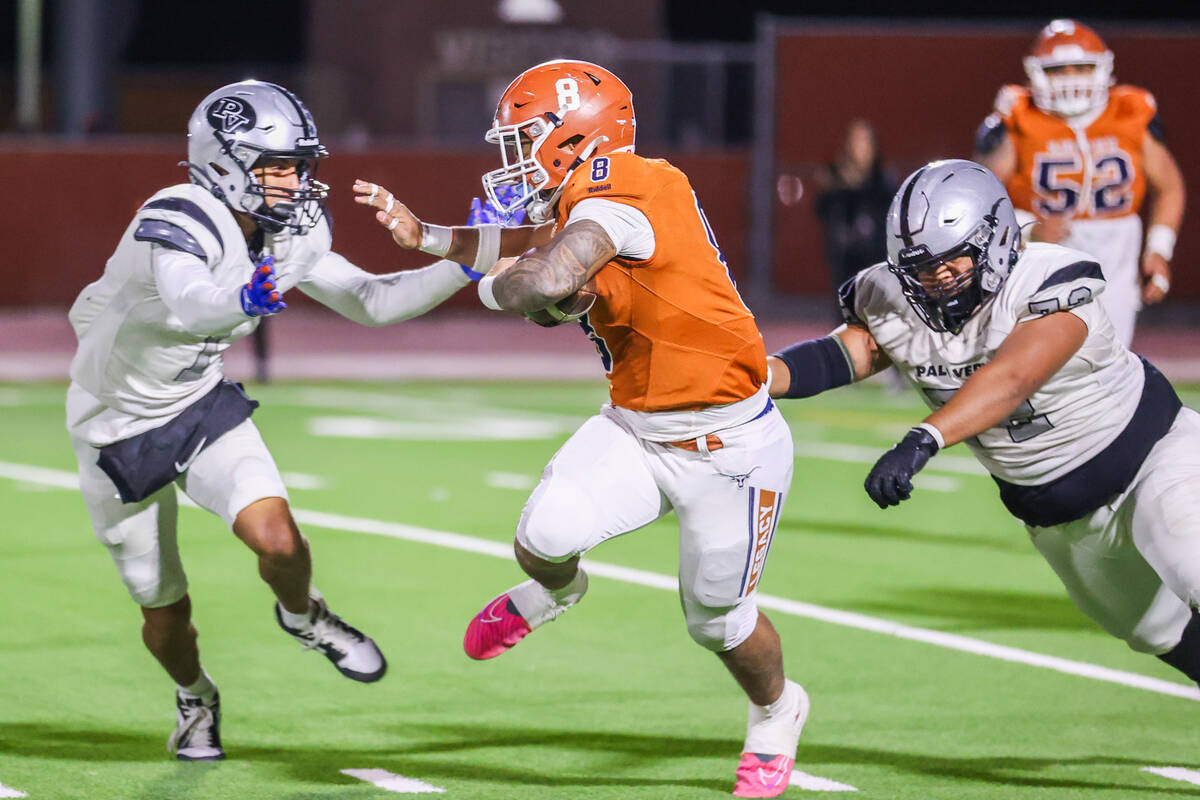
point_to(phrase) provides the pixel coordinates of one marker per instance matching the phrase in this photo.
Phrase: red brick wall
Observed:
(62, 210)
(926, 90)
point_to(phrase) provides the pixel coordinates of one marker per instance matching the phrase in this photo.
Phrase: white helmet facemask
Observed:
(1070, 95)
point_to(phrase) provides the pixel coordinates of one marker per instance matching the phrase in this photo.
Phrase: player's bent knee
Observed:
(157, 593)
(722, 629)
(557, 522)
(276, 539)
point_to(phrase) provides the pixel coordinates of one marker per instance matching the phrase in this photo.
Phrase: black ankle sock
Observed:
(1185, 656)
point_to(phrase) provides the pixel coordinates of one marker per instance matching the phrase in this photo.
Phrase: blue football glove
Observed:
(259, 296)
(487, 214)
(890, 481)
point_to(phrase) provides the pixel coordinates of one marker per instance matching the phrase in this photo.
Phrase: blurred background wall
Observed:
(748, 98)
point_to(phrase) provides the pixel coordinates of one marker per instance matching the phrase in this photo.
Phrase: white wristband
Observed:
(485, 293)
(489, 248)
(935, 433)
(1161, 239)
(435, 239)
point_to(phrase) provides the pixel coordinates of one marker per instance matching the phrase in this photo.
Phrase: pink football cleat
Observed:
(495, 629)
(761, 775)
(772, 733)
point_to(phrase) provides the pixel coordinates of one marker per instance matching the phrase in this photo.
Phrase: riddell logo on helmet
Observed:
(231, 115)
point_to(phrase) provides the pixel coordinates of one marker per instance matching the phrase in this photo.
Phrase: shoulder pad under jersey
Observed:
(1051, 278)
(184, 217)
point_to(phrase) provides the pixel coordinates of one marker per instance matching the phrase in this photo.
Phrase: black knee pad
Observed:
(1185, 656)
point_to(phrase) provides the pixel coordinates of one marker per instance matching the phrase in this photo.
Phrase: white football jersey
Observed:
(136, 363)
(1079, 411)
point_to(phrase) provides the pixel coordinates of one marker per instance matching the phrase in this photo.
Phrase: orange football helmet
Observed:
(550, 120)
(1062, 43)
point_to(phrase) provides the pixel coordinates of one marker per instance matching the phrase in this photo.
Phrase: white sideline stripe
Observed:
(864, 454)
(8, 791)
(815, 783)
(1176, 774)
(303, 480)
(849, 619)
(393, 782)
(937, 483)
(510, 480)
(479, 429)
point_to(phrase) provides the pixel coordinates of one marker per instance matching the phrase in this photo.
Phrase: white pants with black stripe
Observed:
(606, 481)
(1133, 565)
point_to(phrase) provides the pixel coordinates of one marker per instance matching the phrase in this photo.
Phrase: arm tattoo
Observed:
(555, 270)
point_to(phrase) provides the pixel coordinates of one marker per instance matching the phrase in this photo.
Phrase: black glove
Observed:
(890, 480)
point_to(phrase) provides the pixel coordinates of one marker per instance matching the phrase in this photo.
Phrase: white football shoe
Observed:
(353, 653)
(197, 734)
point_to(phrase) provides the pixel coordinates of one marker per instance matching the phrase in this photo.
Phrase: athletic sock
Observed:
(1185, 656)
(203, 687)
(783, 703)
(300, 622)
(538, 605)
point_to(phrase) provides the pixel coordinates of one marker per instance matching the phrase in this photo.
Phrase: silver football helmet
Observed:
(945, 210)
(243, 122)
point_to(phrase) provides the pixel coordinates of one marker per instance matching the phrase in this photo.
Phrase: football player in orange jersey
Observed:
(1078, 155)
(690, 426)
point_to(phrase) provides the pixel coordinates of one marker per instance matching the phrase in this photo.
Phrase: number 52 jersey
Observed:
(1072, 417)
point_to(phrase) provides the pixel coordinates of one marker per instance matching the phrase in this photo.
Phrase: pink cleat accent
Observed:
(495, 629)
(761, 775)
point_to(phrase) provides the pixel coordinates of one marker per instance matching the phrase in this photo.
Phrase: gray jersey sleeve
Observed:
(370, 299)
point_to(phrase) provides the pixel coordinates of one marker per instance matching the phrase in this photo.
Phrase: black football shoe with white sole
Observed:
(353, 653)
(197, 735)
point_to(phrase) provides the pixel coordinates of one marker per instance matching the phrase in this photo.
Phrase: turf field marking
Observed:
(849, 619)
(814, 783)
(302, 480)
(393, 782)
(8, 791)
(937, 483)
(461, 429)
(510, 480)
(1176, 774)
(442, 408)
(863, 454)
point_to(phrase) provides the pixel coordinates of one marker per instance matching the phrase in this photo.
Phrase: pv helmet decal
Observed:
(231, 115)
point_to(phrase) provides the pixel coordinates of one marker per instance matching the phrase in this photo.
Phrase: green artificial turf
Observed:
(611, 701)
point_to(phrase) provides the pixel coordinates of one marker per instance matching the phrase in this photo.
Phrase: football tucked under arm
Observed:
(569, 309)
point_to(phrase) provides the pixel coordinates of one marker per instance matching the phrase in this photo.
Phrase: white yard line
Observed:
(510, 480)
(1176, 774)
(815, 783)
(849, 619)
(473, 429)
(8, 791)
(866, 454)
(393, 782)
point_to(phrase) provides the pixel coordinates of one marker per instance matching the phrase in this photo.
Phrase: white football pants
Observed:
(606, 481)
(1133, 566)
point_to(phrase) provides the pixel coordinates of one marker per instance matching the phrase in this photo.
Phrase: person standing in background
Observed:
(854, 199)
(1078, 155)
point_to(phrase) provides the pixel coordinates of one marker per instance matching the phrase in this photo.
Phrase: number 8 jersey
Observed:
(1073, 417)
